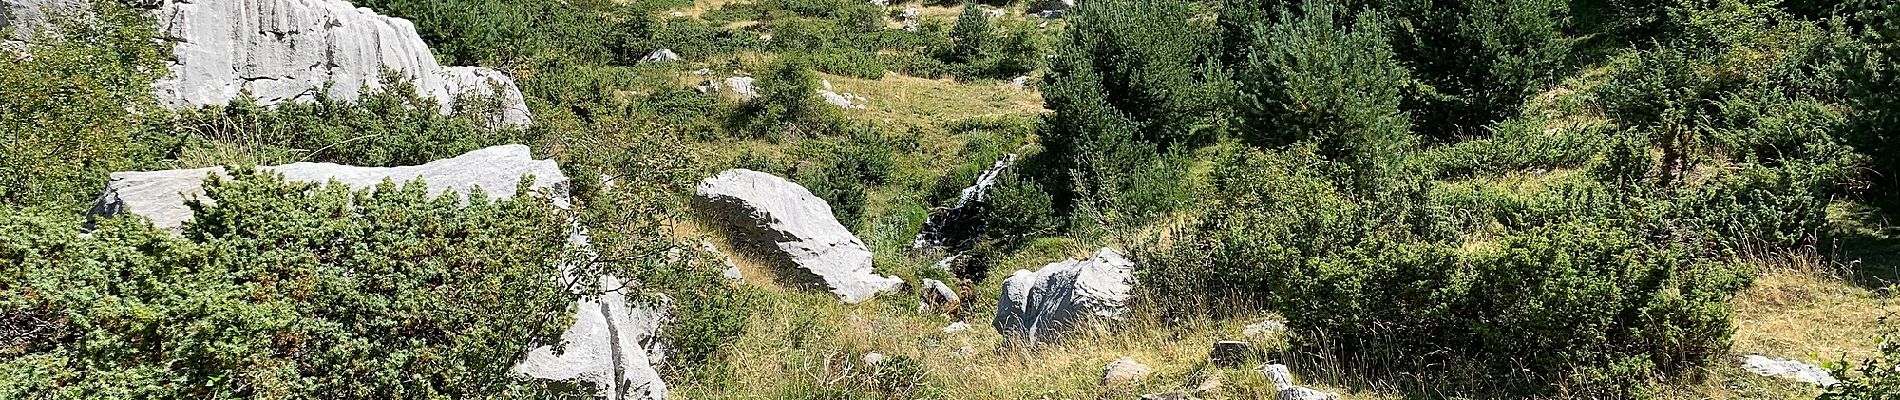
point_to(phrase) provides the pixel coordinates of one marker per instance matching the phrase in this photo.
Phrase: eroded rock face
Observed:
(287, 50)
(613, 344)
(160, 195)
(612, 347)
(1035, 305)
(785, 223)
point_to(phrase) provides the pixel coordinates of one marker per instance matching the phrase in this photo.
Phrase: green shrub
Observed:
(1479, 60)
(383, 127)
(289, 291)
(1873, 88)
(788, 103)
(970, 36)
(1328, 75)
(77, 109)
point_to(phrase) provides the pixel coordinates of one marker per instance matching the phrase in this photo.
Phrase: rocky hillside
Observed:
(848, 199)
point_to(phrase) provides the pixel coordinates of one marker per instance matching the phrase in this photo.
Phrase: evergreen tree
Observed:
(971, 33)
(1327, 75)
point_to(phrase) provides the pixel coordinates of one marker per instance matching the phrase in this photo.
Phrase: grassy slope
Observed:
(803, 343)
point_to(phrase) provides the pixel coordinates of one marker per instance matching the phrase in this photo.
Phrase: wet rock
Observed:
(1036, 305)
(790, 226)
(959, 226)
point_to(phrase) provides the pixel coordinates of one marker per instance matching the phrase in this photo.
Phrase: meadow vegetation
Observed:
(1442, 199)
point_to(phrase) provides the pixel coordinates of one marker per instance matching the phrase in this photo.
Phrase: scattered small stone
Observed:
(956, 327)
(733, 274)
(1167, 396)
(1788, 369)
(679, 14)
(703, 72)
(910, 14)
(1019, 83)
(964, 351)
(873, 358)
(1231, 353)
(1124, 371)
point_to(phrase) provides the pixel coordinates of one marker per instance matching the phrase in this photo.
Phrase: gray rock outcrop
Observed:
(788, 225)
(1036, 305)
(613, 344)
(1788, 369)
(612, 347)
(660, 56)
(161, 195)
(1284, 389)
(288, 50)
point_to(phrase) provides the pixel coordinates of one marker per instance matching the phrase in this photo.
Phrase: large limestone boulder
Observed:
(610, 349)
(287, 50)
(1035, 305)
(161, 195)
(789, 226)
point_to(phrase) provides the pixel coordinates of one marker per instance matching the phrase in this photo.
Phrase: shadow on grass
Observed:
(1867, 236)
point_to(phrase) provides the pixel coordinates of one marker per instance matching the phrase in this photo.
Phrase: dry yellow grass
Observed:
(905, 100)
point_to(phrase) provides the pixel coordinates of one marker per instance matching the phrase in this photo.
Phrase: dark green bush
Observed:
(1328, 75)
(289, 291)
(383, 127)
(1479, 60)
(788, 103)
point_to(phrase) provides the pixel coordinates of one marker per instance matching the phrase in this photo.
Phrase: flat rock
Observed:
(790, 226)
(1124, 371)
(1788, 369)
(1035, 305)
(160, 195)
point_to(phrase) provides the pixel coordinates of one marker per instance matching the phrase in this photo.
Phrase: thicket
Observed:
(78, 109)
(285, 290)
(1356, 144)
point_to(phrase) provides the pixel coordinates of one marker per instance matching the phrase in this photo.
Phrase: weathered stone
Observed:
(288, 50)
(1303, 393)
(939, 296)
(1264, 329)
(845, 101)
(612, 347)
(160, 195)
(873, 358)
(1788, 369)
(1167, 396)
(1035, 305)
(741, 86)
(1278, 374)
(790, 226)
(955, 327)
(1213, 385)
(1231, 353)
(1124, 371)
(660, 56)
